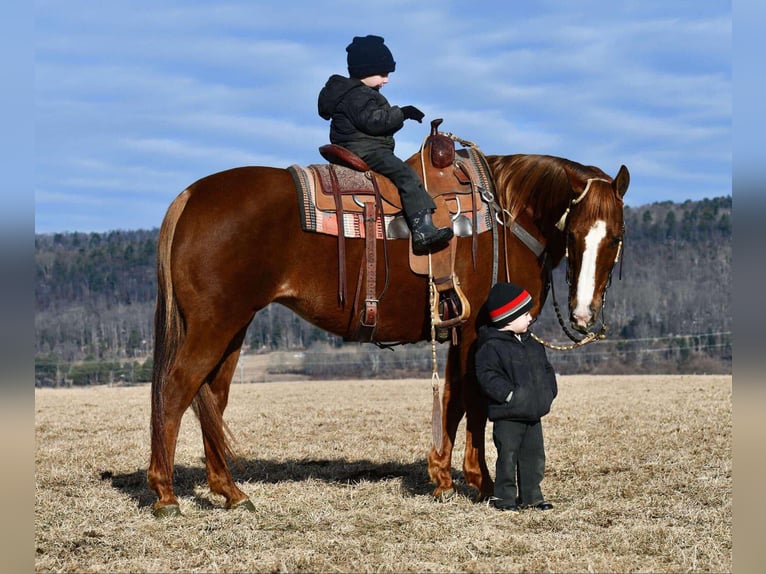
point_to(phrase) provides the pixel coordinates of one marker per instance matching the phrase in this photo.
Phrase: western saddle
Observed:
(456, 181)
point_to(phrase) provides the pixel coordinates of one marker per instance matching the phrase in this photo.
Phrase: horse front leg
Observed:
(440, 465)
(474, 461)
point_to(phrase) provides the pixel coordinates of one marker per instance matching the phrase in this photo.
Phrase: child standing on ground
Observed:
(362, 120)
(513, 372)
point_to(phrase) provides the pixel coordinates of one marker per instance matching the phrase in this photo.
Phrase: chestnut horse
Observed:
(232, 243)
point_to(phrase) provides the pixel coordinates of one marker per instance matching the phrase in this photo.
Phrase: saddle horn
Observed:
(435, 126)
(442, 146)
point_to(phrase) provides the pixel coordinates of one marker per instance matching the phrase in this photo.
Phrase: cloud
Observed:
(141, 98)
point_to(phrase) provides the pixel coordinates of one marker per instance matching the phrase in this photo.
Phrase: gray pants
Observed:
(414, 196)
(520, 462)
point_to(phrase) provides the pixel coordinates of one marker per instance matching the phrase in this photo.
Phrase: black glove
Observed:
(412, 113)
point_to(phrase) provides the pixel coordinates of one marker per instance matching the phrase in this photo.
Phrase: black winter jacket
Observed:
(505, 364)
(362, 120)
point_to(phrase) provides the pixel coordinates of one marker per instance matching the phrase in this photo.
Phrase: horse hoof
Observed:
(168, 511)
(245, 504)
(445, 495)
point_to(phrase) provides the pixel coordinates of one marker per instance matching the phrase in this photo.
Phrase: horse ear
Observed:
(575, 180)
(622, 181)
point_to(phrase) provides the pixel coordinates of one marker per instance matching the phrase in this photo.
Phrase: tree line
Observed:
(671, 310)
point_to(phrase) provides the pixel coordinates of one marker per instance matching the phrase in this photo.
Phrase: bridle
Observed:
(592, 335)
(509, 223)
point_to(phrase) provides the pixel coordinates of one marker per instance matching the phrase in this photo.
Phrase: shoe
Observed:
(425, 235)
(505, 507)
(542, 506)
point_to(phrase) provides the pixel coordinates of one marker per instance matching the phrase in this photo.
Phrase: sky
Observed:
(135, 100)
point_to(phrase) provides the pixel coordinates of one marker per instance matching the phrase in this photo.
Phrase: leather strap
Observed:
(527, 239)
(342, 283)
(471, 177)
(368, 318)
(370, 313)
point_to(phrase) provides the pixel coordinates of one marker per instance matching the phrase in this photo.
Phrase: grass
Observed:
(639, 470)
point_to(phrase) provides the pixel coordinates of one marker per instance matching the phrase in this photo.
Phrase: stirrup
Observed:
(450, 299)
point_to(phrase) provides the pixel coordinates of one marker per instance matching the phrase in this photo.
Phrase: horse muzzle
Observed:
(583, 319)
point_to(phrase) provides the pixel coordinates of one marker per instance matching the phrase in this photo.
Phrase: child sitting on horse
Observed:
(363, 122)
(514, 373)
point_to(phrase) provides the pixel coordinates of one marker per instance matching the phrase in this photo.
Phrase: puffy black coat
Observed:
(505, 364)
(362, 120)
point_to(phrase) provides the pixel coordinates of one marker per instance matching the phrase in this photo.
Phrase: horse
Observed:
(231, 243)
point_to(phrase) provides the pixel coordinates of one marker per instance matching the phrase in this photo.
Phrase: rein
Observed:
(436, 409)
(591, 336)
(588, 338)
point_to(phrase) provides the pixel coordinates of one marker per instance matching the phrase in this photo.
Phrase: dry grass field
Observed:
(639, 471)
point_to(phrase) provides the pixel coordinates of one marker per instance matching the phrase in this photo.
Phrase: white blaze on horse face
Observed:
(586, 282)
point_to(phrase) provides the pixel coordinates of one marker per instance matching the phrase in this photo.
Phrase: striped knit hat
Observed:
(506, 302)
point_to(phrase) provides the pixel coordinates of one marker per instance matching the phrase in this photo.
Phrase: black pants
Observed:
(520, 462)
(414, 196)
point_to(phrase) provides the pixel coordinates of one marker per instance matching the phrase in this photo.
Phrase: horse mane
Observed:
(520, 180)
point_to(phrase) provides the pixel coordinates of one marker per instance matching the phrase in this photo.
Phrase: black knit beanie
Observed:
(369, 56)
(506, 302)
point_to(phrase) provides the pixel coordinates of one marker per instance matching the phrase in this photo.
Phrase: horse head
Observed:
(593, 226)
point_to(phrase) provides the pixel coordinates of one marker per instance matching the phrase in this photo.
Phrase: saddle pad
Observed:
(320, 221)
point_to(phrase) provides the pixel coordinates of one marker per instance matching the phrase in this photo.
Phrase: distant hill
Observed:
(95, 294)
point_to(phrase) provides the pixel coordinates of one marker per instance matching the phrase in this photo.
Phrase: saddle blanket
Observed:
(318, 221)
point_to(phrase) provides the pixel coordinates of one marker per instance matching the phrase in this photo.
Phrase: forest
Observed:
(668, 309)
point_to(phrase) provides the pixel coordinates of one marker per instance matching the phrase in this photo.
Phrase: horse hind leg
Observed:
(196, 359)
(177, 394)
(209, 406)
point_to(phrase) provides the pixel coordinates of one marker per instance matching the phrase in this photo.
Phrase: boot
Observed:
(425, 236)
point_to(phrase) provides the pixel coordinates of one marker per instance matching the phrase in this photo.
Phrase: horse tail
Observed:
(169, 332)
(214, 428)
(169, 328)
